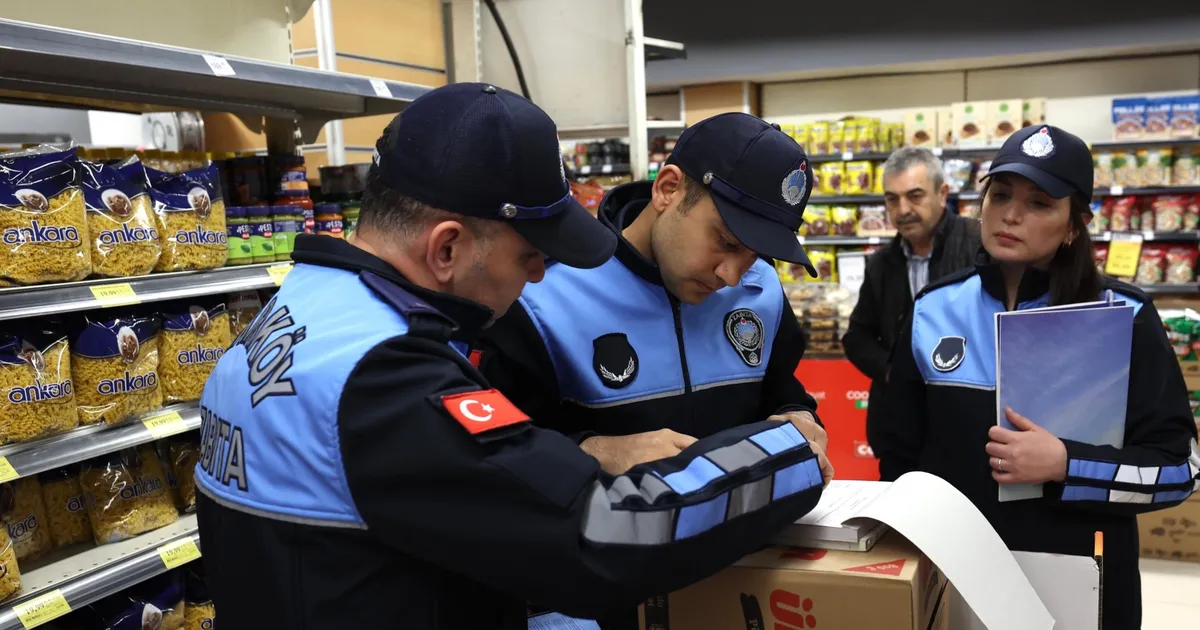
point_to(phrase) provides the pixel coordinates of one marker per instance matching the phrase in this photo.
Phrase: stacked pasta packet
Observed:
(176, 600)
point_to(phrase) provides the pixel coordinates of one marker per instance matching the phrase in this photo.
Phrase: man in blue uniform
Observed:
(686, 331)
(357, 471)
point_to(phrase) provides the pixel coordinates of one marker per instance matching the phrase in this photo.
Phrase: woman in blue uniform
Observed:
(942, 400)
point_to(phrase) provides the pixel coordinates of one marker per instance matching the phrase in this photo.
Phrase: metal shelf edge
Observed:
(93, 578)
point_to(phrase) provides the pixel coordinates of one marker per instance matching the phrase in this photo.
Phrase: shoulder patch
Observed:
(614, 360)
(949, 353)
(744, 330)
(483, 410)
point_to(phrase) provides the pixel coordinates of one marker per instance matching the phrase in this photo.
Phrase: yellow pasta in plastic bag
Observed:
(126, 494)
(123, 234)
(24, 515)
(43, 228)
(37, 395)
(65, 510)
(115, 365)
(10, 573)
(193, 338)
(191, 218)
(243, 308)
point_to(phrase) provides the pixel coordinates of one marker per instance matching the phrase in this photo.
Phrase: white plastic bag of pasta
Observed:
(126, 494)
(114, 361)
(65, 512)
(191, 217)
(194, 336)
(123, 233)
(43, 228)
(37, 395)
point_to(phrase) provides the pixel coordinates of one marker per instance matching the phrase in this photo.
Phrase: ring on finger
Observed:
(1000, 464)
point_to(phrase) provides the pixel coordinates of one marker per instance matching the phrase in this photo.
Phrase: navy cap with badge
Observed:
(759, 178)
(1057, 161)
(482, 151)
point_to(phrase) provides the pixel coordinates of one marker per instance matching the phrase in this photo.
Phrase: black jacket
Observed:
(940, 406)
(885, 300)
(452, 510)
(709, 383)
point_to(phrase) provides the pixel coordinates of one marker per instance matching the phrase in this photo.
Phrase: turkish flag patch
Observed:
(483, 410)
(475, 358)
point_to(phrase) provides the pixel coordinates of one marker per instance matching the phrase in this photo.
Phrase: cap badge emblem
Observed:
(744, 330)
(708, 178)
(949, 353)
(795, 184)
(508, 211)
(1039, 145)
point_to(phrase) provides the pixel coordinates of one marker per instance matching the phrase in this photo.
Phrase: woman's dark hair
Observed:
(1074, 277)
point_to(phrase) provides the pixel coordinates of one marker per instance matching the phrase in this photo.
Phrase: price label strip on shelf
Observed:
(179, 553)
(7, 472)
(219, 65)
(42, 608)
(381, 88)
(166, 424)
(278, 273)
(1123, 254)
(119, 294)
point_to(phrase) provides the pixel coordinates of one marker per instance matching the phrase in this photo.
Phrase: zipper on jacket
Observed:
(687, 378)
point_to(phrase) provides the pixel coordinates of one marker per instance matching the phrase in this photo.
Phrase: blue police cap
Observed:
(482, 151)
(1058, 162)
(758, 177)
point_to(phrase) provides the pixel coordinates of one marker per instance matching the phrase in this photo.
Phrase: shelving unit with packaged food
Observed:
(57, 67)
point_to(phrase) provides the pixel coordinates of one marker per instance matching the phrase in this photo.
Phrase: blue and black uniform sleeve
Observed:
(525, 511)
(782, 389)
(898, 440)
(1158, 466)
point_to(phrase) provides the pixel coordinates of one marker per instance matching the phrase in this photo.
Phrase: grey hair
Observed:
(903, 159)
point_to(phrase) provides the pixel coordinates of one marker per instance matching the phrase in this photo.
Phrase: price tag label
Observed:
(1116, 191)
(278, 273)
(607, 168)
(119, 294)
(220, 66)
(42, 608)
(162, 425)
(179, 553)
(874, 240)
(847, 156)
(7, 472)
(1123, 255)
(852, 270)
(936, 151)
(381, 88)
(584, 170)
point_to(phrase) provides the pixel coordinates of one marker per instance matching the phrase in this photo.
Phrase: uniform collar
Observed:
(1035, 284)
(468, 316)
(620, 207)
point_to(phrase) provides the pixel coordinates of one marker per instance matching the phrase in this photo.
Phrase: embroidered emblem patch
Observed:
(949, 354)
(1039, 145)
(615, 360)
(795, 184)
(745, 331)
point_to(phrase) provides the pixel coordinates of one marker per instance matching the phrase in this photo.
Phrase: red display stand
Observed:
(842, 392)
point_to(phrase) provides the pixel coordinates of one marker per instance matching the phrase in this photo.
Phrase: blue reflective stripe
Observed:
(779, 439)
(1174, 474)
(1084, 493)
(1171, 495)
(1089, 469)
(697, 519)
(697, 475)
(796, 478)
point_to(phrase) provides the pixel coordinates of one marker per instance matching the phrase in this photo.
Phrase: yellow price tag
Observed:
(278, 273)
(162, 425)
(118, 294)
(7, 472)
(179, 553)
(42, 608)
(1123, 254)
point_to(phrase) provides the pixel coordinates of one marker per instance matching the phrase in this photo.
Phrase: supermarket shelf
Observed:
(843, 240)
(1170, 289)
(1163, 190)
(86, 573)
(47, 65)
(848, 157)
(659, 49)
(31, 458)
(606, 169)
(587, 132)
(67, 297)
(834, 200)
(1147, 144)
(666, 125)
(1150, 235)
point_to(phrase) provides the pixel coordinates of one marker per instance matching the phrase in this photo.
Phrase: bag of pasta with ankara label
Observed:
(114, 360)
(43, 230)
(37, 395)
(190, 214)
(123, 234)
(195, 333)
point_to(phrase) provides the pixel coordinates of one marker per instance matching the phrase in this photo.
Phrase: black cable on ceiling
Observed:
(512, 51)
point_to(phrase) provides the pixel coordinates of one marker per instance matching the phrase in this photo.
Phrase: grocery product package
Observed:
(1158, 119)
(114, 361)
(859, 176)
(920, 128)
(37, 394)
(970, 123)
(1152, 264)
(1191, 213)
(191, 218)
(1033, 111)
(877, 183)
(1003, 119)
(1180, 264)
(162, 449)
(122, 231)
(845, 220)
(957, 173)
(1101, 215)
(1186, 168)
(184, 452)
(10, 572)
(824, 259)
(65, 511)
(43, 227)
(1154, 167)
(818, 221)
(199, 614)
(1125, 169)
(981, 171)
(126, 494)
(867, 140)
(970, 209)
(1169, 211)
(194, 336)
(873, 221)
(832, 179)
(244, 307)
(1100, 255)
(156, 604)
(1185, 116)
(1102, 169)
(819, 138)
(839, 133)
(1128, 118)
(1121, 214)
(24, 514)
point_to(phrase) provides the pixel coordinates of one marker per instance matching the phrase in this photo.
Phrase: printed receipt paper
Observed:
(947, 528)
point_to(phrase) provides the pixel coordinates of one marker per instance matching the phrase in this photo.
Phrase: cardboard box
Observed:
(920, 128)
(1158, 119)
(1129, 118)
(1033, 111)
(945, 127)
(1172, 534)
(891, 587)
(970, 123)
(1003, 120)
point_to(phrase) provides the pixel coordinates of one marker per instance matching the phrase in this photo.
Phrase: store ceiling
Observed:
(783, 40)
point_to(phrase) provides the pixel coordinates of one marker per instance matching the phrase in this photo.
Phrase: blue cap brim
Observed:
(1053, 186)
(762, 235)
(572, 237)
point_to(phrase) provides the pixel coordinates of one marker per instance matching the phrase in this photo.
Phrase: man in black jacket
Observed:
(931, 243)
